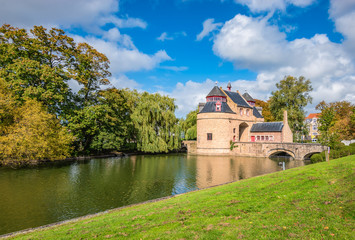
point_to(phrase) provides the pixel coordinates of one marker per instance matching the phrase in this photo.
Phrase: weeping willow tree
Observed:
(155, 124)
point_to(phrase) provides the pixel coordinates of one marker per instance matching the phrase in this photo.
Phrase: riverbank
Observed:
(314, 201)
(45, 162)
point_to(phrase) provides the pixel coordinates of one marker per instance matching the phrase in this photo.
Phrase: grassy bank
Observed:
(311, 202)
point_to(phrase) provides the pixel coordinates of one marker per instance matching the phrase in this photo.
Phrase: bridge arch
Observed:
(277, 151)
(309, 155)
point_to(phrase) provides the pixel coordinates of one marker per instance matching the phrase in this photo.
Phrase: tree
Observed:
(266, 109)
(39, 66)
(34, 135)
(156, 128)
(326, 121)
(35, 66)
(336, 122)
(292, 95)
(189, 126)
(90, 70)
(103, 126)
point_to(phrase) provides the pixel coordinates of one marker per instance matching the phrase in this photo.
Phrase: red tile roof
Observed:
(313, 115)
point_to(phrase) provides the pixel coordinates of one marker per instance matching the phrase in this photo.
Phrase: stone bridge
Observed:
(298, 151)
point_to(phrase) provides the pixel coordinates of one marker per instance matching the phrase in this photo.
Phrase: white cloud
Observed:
(123, 59)
(188, 95)
(250, 43)
(89, 14)
(175, 68)
(208, 27)
(272, 5)
(164, 36)
(343, 14)
(122, 81)
(255, 44)
(114, 35)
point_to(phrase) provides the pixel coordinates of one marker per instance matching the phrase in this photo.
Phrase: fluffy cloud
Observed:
(164, 36)
(255, 44)
(89, 14)
(250, 43)
(343, 14)
(122, 81)
(122, 58)
(188, 95)
(272, 5)
(208, 27)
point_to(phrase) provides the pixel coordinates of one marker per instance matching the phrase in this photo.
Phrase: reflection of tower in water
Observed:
(215, 170)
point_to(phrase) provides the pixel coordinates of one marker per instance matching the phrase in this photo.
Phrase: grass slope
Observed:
(311, 202)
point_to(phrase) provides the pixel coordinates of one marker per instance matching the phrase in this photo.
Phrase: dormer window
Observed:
(218, 106)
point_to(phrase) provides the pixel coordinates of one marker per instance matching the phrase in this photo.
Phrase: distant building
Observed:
(229, 116)
(312, 125)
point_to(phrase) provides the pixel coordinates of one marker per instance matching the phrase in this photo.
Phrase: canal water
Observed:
(37, 196)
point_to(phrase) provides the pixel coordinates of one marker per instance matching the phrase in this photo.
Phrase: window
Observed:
(257, 138)
(315, 127)
(314, 120)
(247, 112)
(266, 138)
(233, 130)
(271, 138)
(218, 106)
(241, 111)
(209, 136)
(262, 138)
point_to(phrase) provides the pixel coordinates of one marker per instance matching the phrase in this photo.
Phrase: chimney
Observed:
(285, 121)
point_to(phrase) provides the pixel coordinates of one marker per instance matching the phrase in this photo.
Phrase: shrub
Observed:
(317, 158)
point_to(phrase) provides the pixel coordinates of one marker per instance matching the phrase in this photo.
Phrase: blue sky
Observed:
(181, 48)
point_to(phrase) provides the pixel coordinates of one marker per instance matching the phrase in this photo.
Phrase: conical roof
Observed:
(229, 85)
(216, 92)
(248, 97)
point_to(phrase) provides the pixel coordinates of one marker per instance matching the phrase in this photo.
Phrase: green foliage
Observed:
(34, 135)
(90, 70)
(292, 95)
(102, 126)
(336, 122)
(155, 124)
(340, 151)
(189, 126)
(36, 65)
(35, 68)
(40, 64)
(232, 145)
(315, 158)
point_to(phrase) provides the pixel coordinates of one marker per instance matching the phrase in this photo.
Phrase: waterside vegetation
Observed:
(43, 118)
(310, 202)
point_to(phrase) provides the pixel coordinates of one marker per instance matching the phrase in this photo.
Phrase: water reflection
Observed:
(38, 196)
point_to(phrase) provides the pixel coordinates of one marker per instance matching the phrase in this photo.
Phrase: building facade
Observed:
(312, 125)
(228, 118)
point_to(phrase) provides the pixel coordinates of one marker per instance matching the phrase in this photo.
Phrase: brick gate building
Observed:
(228, 117)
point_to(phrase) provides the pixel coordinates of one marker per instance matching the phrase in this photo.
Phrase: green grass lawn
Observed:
(310, 202)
